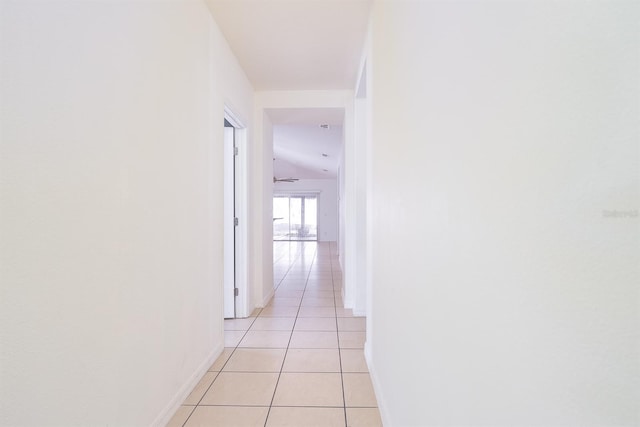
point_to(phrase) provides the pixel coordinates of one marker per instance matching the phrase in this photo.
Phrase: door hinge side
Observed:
(235, 221)
(235, 151)
(235, 292)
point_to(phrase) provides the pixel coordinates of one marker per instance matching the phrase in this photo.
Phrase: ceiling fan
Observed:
(284, 179)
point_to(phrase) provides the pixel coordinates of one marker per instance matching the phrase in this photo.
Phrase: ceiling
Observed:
(295, 44)
(298, 45)
(306, 116)
(299, 142)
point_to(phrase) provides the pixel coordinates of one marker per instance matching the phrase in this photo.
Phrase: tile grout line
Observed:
(221, 368)
(335, 306)
(266, 420)
(285, 274)
(234, 350)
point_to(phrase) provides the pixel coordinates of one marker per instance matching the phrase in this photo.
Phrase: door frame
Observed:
(240, 208)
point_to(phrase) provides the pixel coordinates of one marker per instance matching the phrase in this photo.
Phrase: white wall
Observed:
(327, 203)
(504, 135)
(362, 106)
(111, 187)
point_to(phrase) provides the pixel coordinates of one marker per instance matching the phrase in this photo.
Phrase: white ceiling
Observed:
(306, 116)
(299, 142)
(295, 44)
(298, 45)
(298, 151)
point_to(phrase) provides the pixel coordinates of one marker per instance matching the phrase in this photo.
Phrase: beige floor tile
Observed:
(287, 293)
(297, 272)
(227, 416)
(320, 275)
(317, 312)
(273, 324)
(352, 339)
(221, 360)
(363, 417)
(317, 302)
(200, 389)
(232, 338)
(284, 302)
(315, 339)
(320, 286)
(312, 360)
(294, 281)
(316, 324)
(291, 287)
(353, 360)
(238, 324)
(307, 417)
(256, 360)
(298, 389)
(180, 416)
(241, 388)
(358, 390)
(279, 312)
(352, 324)
(319, 293)
(344, 312)
(266, 339)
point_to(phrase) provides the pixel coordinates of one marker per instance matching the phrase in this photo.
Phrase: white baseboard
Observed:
(268, 297)
(360, 313)
(165, 415)
(377, 387)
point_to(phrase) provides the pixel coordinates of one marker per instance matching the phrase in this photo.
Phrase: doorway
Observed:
(295, 217)
(235, 292)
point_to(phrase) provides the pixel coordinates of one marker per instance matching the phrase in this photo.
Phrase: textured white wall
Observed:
(327, 203)
(111, 187)
(505, 292)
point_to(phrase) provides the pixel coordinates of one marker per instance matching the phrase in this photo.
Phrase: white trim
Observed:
(296, 193)
(167, 413)
(377, 387)
(268, 297)
(233, 118)
(359, 313)
(241, 197)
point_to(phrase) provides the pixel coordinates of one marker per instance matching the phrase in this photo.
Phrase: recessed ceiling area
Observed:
(302, 147)
(306, 116)
(295, 44)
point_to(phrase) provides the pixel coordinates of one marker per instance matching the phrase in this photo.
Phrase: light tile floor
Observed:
(297, 362)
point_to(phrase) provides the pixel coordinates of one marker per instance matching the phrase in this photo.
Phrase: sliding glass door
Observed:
(295, 217)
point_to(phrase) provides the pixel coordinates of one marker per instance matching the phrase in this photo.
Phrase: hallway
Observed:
(297, 362)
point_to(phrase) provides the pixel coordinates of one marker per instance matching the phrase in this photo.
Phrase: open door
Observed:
(230, 221)
(236, 292)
